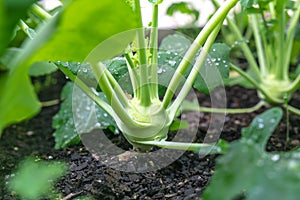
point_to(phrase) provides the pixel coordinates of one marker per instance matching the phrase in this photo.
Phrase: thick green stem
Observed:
(245, 48)
(135, 82)
(294, 85)
(259, 45)
(144, 96)
(281, 71)
(153, 51)
(194, 72)
(290, 36)
(117, 88)
(50, 103)
(293, 109)
(196, 147)
(26, 29)
(190, 106)
(40, 12)
(110, 93)
(214, 21)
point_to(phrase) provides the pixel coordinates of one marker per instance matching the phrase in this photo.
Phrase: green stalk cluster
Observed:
(144, 118)
(271, 70)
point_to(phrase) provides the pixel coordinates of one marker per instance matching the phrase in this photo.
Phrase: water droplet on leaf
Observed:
(275, 157)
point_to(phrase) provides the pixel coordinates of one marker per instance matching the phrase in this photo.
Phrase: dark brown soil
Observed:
(88, 175)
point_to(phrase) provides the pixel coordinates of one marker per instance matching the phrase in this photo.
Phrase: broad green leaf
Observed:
(262, 127)
(249, 170)
(35, 179)
(66, 134)
(175, 43)
(42, 68)
(117, 67)
(171, 52)
(18, 100)
(10, 13)
(215, 70)
(83, 25)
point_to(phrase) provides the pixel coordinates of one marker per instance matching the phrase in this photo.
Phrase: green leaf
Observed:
(215, 70)
(83, 25)
(262, 127)
(35, 179)
(175, 43)
(18, 100)
(247, 169)
(116, 66)
(184, 8)
(66, 133)
(7, 57)
(171, 52)
(248, 3)
(10, 13)
(42, 68)
(177, 124)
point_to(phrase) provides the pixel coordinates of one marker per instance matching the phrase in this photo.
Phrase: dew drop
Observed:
(84, 70)
(65, 64)
(172, 62)
(260, 125)
(159, 70)
(275, 157)
(98, 125)
(213, 49)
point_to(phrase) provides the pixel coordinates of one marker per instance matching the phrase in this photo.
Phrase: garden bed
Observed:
(185, 178)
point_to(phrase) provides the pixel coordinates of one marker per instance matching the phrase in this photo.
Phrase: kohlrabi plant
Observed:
(142, 115)
(272, 53)
(69, 37)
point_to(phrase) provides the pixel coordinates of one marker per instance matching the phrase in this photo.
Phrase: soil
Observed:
(89, 175)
